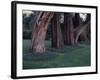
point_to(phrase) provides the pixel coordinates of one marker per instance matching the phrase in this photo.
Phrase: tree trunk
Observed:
(81, 30)
(89, 28)
(68, 29)
(77, 21)
(57, 39)
(39, 31)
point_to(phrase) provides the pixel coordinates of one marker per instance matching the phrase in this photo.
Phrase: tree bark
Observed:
(39, 31)
(57, 39)
(68, 29)
(88, 28)
(77, 21)
(80, 30)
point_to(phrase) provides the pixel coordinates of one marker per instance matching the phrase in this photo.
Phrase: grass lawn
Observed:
(69, 56)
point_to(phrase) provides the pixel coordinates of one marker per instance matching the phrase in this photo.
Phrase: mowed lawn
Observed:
(69, 56)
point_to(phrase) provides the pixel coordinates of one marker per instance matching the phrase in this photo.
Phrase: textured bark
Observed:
(57, 39)
(81, 30)
(39, 31)
(68, 29)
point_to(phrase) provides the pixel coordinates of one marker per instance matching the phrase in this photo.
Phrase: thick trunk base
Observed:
(39, 31)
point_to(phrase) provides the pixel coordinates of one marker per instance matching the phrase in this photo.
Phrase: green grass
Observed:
(69, 56)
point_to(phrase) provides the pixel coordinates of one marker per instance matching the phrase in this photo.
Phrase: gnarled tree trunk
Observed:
(39, 31)
(81, 30)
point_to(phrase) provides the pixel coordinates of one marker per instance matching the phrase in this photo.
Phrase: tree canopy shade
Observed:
(65, 28)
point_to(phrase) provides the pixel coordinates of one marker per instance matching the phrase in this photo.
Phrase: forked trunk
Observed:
(81, 30)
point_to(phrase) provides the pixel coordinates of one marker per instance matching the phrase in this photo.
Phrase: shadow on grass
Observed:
(68, 56)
